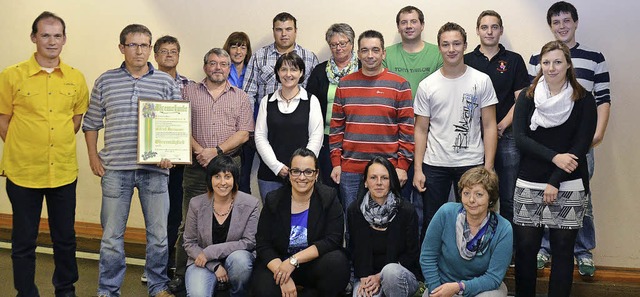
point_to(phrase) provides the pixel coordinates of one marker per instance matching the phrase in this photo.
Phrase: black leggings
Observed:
(327, 275)
(528, 241)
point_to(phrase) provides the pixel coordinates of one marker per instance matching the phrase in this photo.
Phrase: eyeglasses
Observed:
(165, 52)
(295, 172)
(221, 64)
(133, 46)
(339, 44)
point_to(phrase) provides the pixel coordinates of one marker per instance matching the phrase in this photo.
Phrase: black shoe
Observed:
(177, 284)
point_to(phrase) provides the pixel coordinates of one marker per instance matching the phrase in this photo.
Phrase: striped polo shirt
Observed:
(114, 107)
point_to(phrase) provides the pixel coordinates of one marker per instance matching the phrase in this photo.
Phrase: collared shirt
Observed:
(260, 78)
(40, 147)
(590, 68)
(236, 79)
(182, 81)
(214, 120)
(508, 74)
(315, 127)
(114, 106)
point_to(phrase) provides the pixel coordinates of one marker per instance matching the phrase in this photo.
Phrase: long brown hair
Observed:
(578, 90)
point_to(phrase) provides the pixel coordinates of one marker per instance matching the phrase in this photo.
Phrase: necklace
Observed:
(224, 214)
(289, 99)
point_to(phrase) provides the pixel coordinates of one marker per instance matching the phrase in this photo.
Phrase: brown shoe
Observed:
(164, 294)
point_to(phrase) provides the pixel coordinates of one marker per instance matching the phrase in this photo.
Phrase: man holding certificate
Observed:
(114, 106)
(221, 119)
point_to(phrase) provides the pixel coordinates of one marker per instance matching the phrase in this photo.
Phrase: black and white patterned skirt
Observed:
(566, 212)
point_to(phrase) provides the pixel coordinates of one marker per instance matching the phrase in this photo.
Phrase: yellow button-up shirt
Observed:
(40, 145)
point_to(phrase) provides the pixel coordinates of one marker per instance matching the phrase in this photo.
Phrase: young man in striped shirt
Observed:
(593, 74)
(372, 116)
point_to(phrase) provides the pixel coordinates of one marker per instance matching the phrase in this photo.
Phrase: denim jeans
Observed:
(395, 280)
(507, 163)
(349, 184)
(267, 186)
(26, 204)
(412, 195)
(586, 240)
(201, 282)
(117, 190)
(438, 182)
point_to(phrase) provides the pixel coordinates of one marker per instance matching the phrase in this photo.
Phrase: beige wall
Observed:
(610, 26)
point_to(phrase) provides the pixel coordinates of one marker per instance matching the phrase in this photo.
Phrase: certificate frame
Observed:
(164, 131)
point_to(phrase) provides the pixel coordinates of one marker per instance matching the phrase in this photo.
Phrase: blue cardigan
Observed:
(441, 263)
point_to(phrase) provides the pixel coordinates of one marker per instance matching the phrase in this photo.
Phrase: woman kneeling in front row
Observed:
(467, 247)
(383, 239)
(299, 237)
(219, 233)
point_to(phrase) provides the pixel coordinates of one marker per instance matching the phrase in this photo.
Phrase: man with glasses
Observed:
(41, 105)
(114, 106)
(221, 120)
(372, 116)
(167, 55)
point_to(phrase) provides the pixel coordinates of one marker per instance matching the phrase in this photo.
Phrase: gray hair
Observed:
(340, 28)
(218, 52)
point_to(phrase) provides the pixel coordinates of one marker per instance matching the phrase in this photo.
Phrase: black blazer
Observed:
(325, 227)
(402, 242)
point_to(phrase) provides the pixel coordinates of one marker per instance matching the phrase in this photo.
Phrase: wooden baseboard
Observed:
(88, 236)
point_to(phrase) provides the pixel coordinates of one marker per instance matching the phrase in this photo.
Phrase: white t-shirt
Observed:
(454, 109)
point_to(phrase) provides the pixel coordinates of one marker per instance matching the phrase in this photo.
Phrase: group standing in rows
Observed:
(338, 143)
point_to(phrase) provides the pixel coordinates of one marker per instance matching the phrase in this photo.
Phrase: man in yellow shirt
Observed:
(41, 105)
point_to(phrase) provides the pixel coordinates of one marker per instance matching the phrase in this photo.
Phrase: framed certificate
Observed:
(164, 131)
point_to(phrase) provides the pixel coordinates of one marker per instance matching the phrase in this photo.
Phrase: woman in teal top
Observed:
(467, 247)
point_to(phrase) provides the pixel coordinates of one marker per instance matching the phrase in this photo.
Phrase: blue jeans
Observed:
(26, 204)
(586, 240)
(507, 163)
(117, 190)
(267, 186)
(412, 195)
(349, 184)
(438, 182)
(395, 280)
(201, 282)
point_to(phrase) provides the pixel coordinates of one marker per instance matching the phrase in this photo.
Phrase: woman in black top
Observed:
(554, 123)
(287, 119)
(383, 239)
(299, 238)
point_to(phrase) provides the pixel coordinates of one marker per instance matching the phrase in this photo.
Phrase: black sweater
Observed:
(537, 148)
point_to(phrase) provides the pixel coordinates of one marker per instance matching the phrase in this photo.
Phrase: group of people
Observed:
(337, 143)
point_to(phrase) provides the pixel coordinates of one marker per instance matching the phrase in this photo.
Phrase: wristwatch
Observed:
(461, 287)
(219, 150)
(293, 260)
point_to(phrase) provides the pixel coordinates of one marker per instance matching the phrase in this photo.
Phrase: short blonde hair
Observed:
(481, 176)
